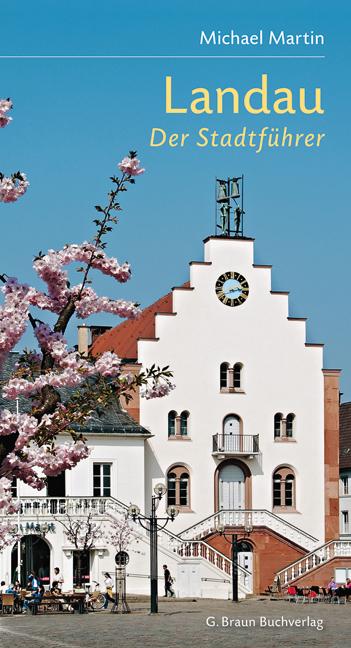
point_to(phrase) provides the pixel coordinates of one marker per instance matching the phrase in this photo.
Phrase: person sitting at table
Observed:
(312, 594)
(33, 583)
(35, 599)
(292, 591)
(332, 586)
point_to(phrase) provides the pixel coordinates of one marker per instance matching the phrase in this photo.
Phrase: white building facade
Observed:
(248, 439)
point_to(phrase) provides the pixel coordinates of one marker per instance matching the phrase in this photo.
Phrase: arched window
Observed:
(172, 423)
(290, 425)
(278, 425)
(184, 423)
(178, 487)
(284, 495)
(224, 375)
(237, 375)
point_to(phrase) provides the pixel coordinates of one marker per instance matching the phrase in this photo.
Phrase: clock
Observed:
(232, 288)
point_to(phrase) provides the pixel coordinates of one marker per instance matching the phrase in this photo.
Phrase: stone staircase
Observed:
(314, 560)
(191, 543)
(250, 518)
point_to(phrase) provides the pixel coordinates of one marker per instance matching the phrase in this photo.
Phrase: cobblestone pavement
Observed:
(183, 624)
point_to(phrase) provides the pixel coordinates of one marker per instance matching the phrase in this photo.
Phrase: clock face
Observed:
(232, 289)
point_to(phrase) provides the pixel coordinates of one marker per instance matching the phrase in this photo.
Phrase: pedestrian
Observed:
(108, 590)
(2, 587)
(168, 581)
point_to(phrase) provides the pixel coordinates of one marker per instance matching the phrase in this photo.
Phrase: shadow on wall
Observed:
(153, 471)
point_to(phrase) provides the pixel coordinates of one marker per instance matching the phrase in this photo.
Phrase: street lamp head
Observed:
(220, 528)
(248, 528)
(172, 511)
(160, 490)
(133, 511)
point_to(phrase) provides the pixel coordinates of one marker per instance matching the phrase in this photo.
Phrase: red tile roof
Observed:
(123, 338)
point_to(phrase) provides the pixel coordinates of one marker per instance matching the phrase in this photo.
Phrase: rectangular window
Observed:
(345, 522)
(171, 494)
(277, 492)
(288, 493)
(14, 487)
(345, 485)
(102, 480)
(183, 491)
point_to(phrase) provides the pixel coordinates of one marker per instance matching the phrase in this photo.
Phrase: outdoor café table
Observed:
(70, 598)
(76, 597)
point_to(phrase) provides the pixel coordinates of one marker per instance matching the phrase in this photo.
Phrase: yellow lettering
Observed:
(203, 101)
(287, 100)
(234, 94)
(260, 91)
(169, 108)
(317, 105)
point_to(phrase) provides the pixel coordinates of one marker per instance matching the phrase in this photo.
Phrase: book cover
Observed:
(175, 422)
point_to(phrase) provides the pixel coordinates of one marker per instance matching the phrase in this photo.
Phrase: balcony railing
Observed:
(235, 444)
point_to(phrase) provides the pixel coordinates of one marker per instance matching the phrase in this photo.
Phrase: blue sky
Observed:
(75, 118)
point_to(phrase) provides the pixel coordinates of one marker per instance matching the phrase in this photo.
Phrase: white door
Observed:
(231, 432)
(245, 560)
(231, 487)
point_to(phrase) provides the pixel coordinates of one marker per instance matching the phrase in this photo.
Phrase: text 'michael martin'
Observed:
(216, 37)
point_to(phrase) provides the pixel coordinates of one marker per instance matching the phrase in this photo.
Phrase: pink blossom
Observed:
(130, 166)
(89, 304)
(157, 389)
(13, 187)
(5, 106)
(13, 315)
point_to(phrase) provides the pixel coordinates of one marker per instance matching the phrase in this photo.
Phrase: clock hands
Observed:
(232, 290)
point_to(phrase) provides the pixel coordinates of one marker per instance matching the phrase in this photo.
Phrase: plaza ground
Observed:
(182, 624)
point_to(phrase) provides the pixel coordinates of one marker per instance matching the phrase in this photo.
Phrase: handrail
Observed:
(235, 443)
(313, 559)
(249, 512)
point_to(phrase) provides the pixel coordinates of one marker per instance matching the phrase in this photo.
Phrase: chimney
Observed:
(83, 339)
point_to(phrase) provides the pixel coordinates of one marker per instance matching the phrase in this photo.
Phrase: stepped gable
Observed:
(345, 435)
(123, 339)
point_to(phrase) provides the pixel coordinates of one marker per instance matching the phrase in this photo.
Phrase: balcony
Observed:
(232, 445)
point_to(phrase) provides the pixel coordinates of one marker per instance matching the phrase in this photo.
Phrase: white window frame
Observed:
(102, 464)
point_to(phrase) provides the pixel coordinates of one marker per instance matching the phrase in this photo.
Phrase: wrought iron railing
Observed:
(236, 443)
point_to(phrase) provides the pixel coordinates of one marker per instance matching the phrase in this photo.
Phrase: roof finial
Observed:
(230, 206)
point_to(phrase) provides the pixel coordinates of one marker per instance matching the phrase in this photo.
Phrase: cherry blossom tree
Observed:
(14, 186)
(30, 449)
(120, 533)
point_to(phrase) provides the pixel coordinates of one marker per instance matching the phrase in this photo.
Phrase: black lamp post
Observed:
(232, 539)
(152, 525)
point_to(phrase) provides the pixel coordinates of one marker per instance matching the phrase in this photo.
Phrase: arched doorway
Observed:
(35, 555)
(231, 487)
(231, 424)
